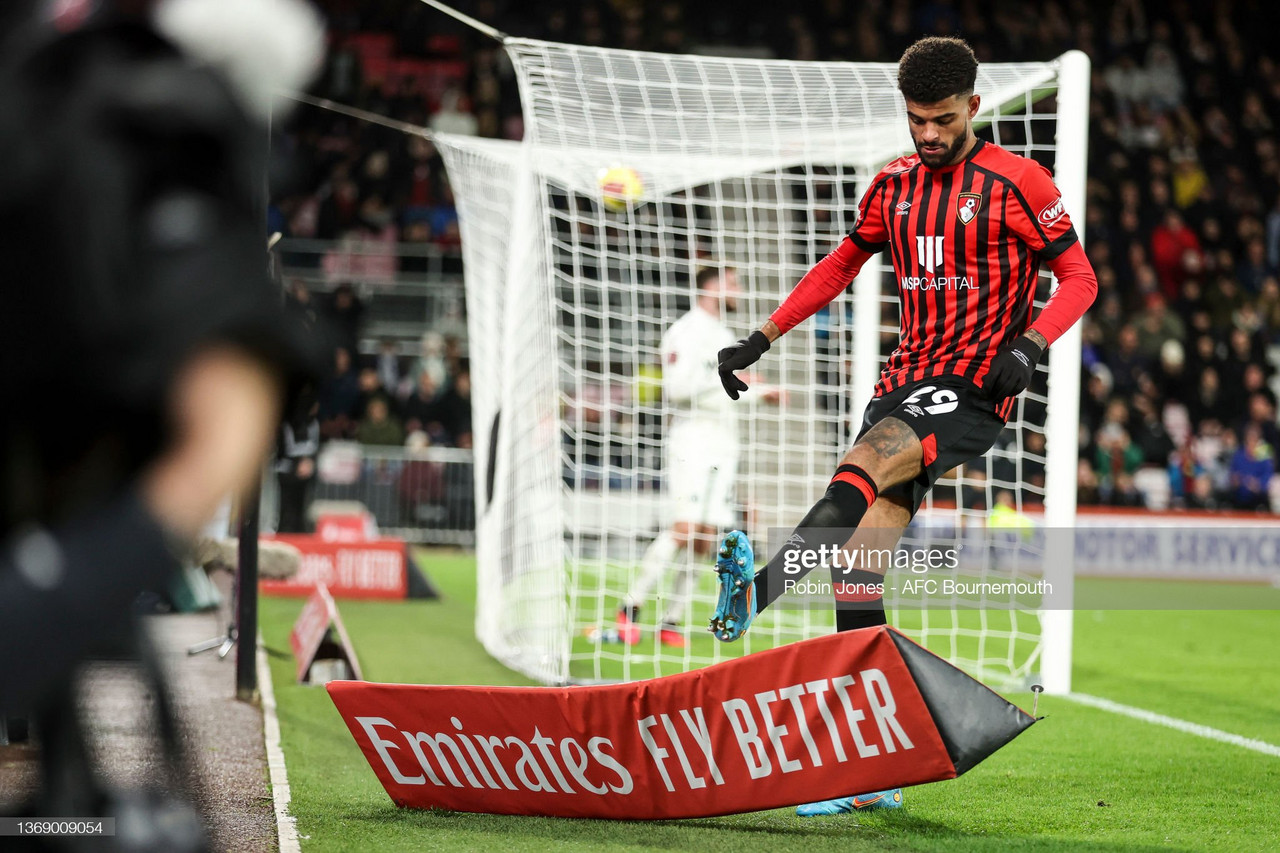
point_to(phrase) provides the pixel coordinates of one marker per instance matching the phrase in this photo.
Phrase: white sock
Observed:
(655, 562)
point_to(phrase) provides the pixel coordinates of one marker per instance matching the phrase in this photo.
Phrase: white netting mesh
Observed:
(747, 164)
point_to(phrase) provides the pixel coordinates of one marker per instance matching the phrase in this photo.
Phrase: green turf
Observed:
(602, 585)
(1082, 779)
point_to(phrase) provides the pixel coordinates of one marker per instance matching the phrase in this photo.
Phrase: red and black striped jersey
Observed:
(966, 242)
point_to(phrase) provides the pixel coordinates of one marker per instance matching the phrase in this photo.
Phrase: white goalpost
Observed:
(757, 166)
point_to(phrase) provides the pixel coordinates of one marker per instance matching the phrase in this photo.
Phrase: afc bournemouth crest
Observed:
(967, 206)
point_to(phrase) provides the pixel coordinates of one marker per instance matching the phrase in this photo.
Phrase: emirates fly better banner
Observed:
(850, 713)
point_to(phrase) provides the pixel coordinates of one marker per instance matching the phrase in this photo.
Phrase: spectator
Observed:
(1213, 447)
(421, 484)
(1269, 307)
(1203, 495)
(1223, 300)
(339, 209)
(416, 239)
(431, 358)
(342, 313)
(338, 398)
(1171, 374)
(1254, 268)
(296, 450)
(1205, 354)
(1126, 361)
(422, 409)
(1273, 235)
(388, 367)
(379, 427)
(1241, 352)
(1209, 402)
(1252, 466)
(370, 390)
(1149, 432)
(1175, 252)
(1184, 470)
(453, 117)
(1260, 414)
(1087, 491)
(1116, 459)
(1096, 394)
(455, 407)
(298, 302)
(1156, 326)
(1189, 179)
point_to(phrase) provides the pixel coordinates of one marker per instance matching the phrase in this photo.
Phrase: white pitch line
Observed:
(286, 824)
(1174, 723)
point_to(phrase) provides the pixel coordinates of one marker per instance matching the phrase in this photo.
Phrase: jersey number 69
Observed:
(944, 400)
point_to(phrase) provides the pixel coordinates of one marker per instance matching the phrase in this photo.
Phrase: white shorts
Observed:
(702, 471)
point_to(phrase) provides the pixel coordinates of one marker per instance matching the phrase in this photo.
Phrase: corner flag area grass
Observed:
(1081, 779)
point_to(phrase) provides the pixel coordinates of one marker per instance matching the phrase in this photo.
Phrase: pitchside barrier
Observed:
(813, 720)
(321, 646)
(376, 265)
(1241, 547)
(349, 557)
(424, 496)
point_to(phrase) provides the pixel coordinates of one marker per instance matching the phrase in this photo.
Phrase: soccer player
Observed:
(702, 450)
(968, 225)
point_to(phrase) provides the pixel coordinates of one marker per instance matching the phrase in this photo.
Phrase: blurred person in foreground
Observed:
(137, 276)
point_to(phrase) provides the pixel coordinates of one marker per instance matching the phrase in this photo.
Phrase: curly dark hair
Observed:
(936, 68)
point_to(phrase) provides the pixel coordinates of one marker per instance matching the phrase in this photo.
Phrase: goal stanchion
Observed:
(730, 163)
(1062, 426)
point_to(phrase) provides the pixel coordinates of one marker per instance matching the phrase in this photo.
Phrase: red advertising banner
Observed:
(372, 569)
(345, 527)
(310, 630)
(813, 720)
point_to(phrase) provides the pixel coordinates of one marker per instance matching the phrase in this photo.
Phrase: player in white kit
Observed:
(701, 449)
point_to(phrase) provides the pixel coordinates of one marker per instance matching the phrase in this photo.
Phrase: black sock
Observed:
(834, 518)
(859, 599)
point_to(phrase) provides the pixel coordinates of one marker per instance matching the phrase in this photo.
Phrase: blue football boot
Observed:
(736, 607)
(891, 799)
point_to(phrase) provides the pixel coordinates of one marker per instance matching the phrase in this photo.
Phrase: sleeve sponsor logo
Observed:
(1052, 213)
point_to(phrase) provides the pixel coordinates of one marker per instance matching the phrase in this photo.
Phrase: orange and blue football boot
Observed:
(891, 799)
(736, 607)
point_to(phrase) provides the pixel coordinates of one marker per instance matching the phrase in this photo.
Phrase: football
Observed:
(620, 188)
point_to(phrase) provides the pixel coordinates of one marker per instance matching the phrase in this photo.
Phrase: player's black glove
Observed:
(744, 353)
(1011, 369)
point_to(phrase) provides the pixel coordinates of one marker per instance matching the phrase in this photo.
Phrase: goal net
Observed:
(756, 166)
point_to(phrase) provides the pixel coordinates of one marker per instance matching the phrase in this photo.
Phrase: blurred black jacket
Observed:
(131, 235)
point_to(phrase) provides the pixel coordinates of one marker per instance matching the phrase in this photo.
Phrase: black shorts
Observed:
(952, 419)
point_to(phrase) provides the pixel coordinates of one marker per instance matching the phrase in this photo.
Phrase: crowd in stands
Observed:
(1183, 222)
(384, 399)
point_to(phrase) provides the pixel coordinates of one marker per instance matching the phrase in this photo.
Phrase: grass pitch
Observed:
(1082, 779)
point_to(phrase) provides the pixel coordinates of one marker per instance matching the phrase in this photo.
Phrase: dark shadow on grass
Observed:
(890, 830)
